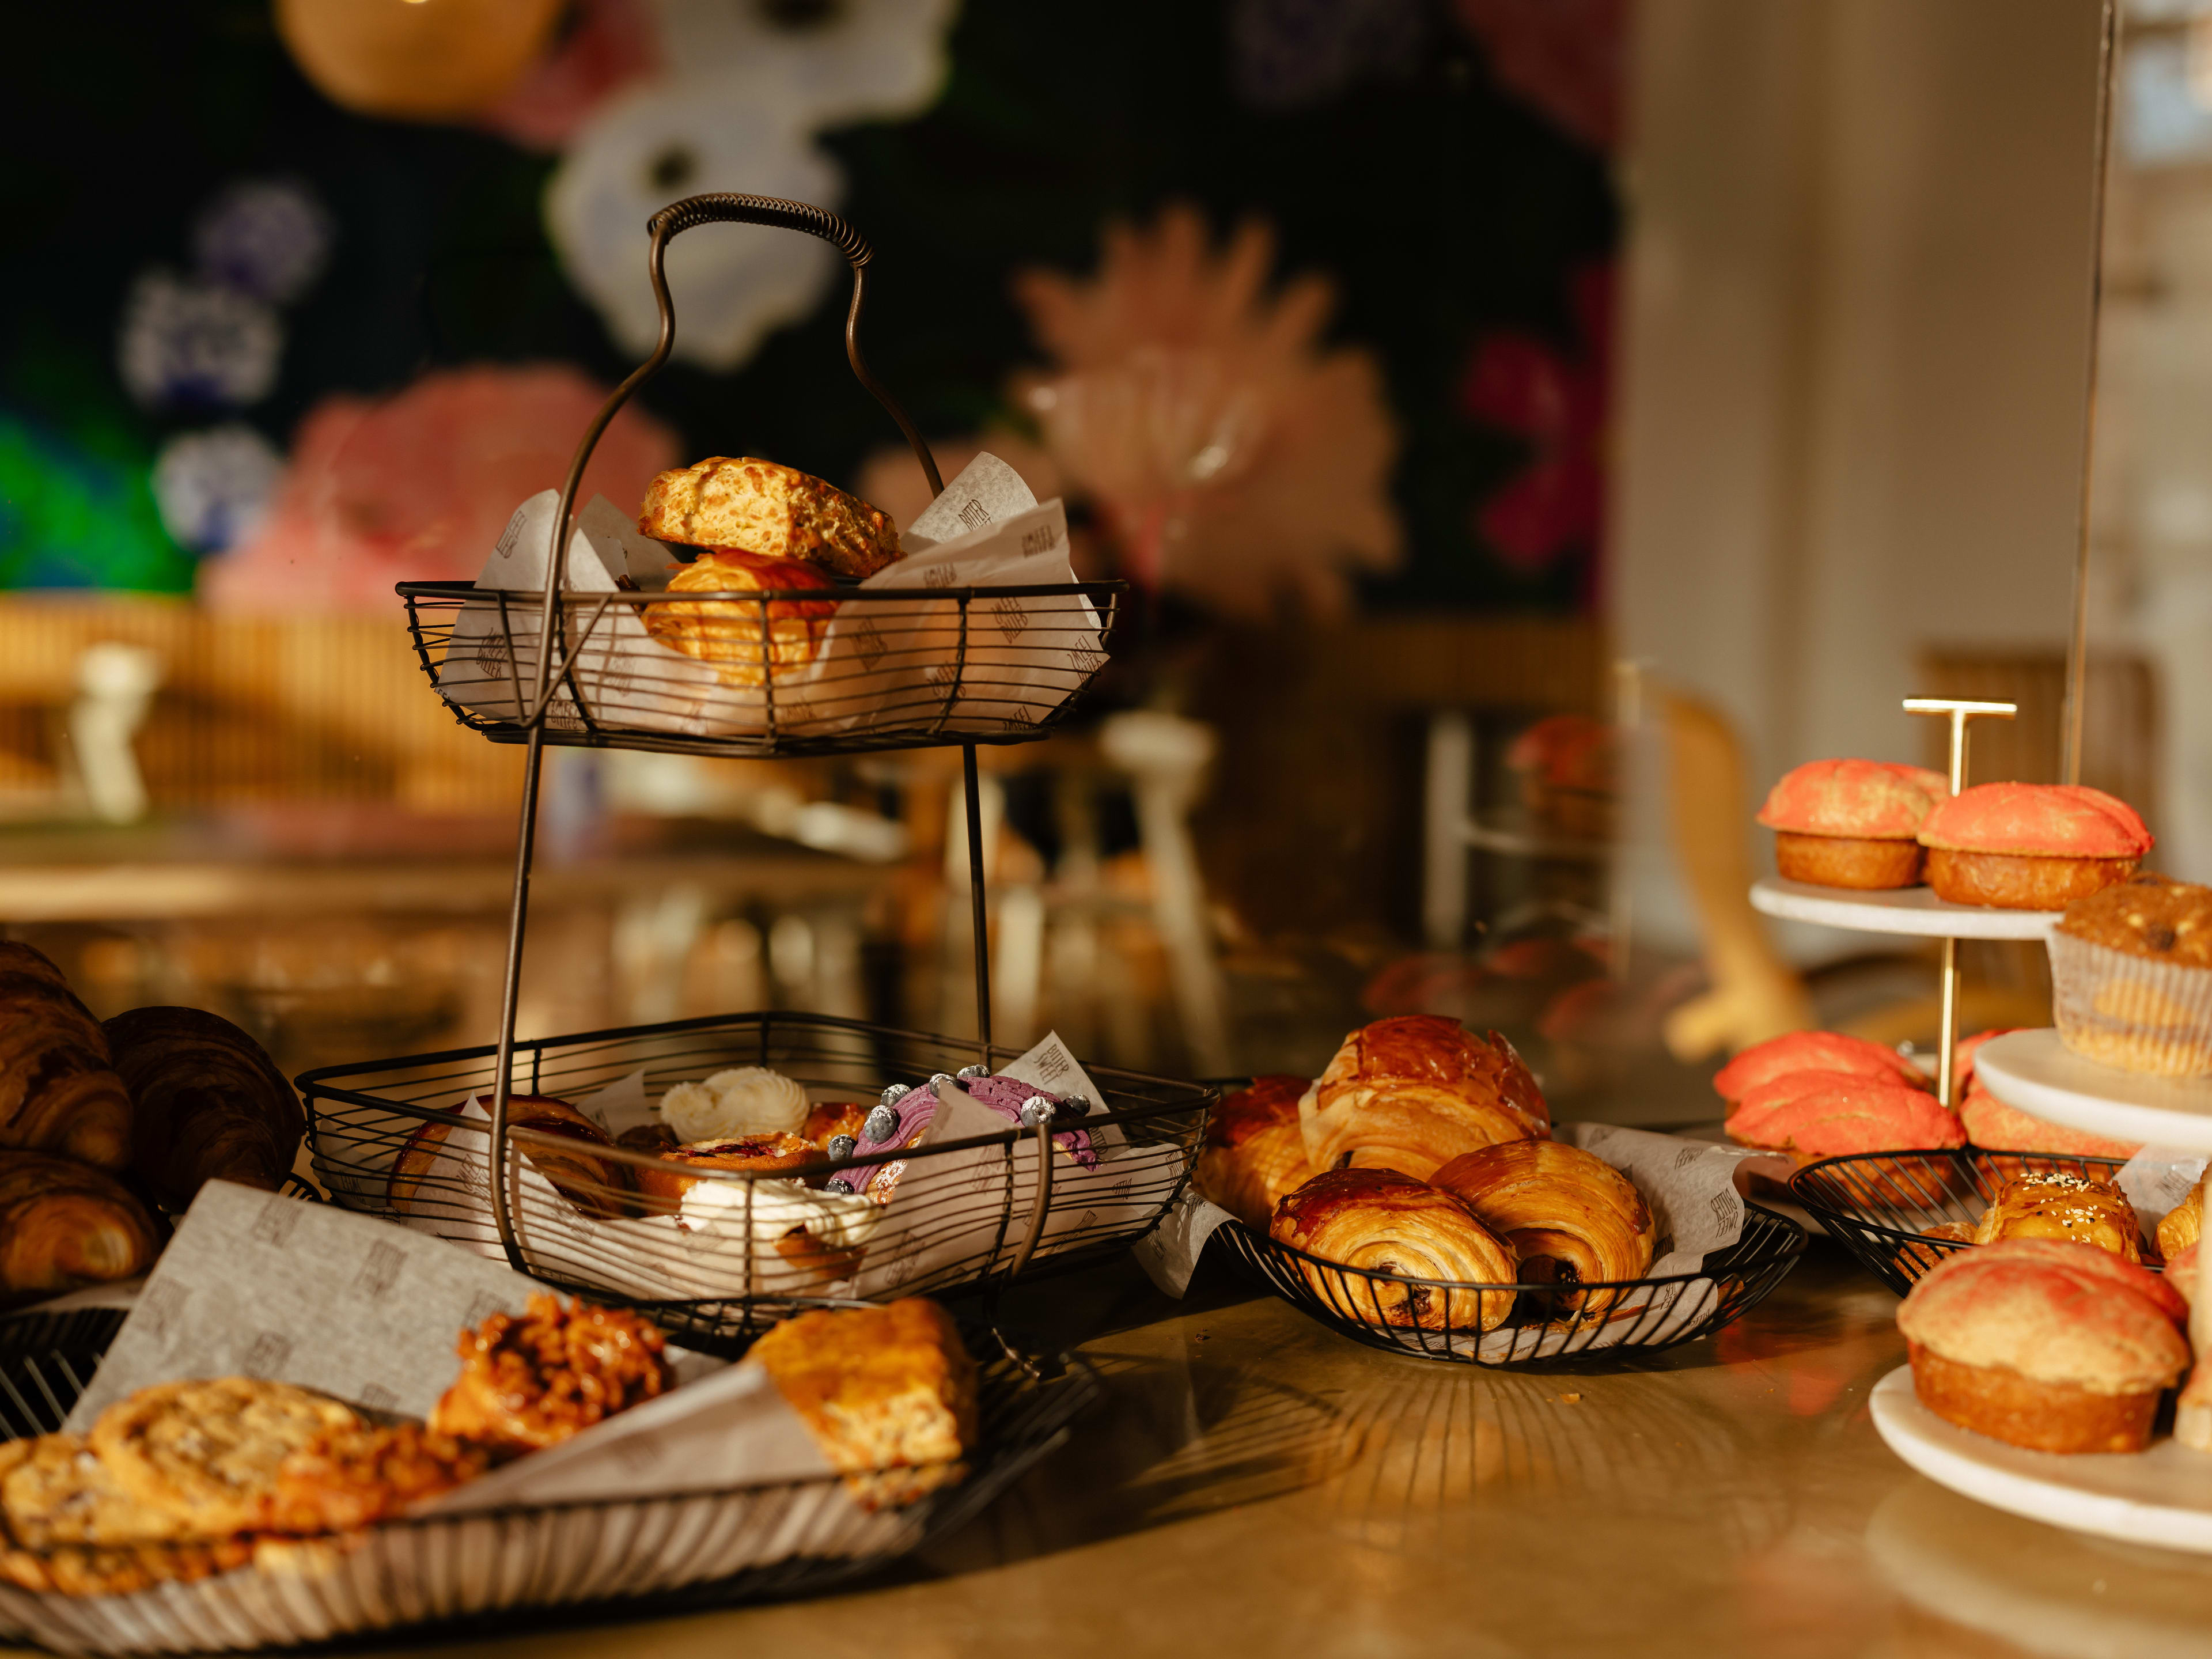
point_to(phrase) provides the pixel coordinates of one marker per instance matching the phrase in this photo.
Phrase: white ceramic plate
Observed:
(2037, 1072)
(2162, 1496)
(1914, 910)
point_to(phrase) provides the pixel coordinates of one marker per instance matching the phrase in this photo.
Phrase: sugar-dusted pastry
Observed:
(1851, 823)
(1381, 1221)
(665, 1183)
(207, 1452)
(59, 1092)
(890, 1393)
(745, 641)
(744, 1100)
(2044, 1345)
(532, 1379)
(1254, 1151)
(1999, 1127)
(1412, 1092)
(1570, 1216)
(757, 506)
(352, 1478)
(602, 1187)
(2055, 1204)
(1826, 1114)
(2131, 976)
(208, 1103)
(2030, 846)
(1810, 1051)
(64, 1225)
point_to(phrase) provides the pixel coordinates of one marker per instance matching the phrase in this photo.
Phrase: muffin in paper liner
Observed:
(2130, 1012)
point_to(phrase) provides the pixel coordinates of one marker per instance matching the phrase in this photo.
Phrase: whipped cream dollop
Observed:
(745, 1100)
(717, 1210)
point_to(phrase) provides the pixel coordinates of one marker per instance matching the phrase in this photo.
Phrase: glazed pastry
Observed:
(757, 506)
(1412, 1093)
(665, 1184)
(2180, 1226)
(63, 1226)
(1254, 1151)
(532, 1379)
(744, 1100)
(889, 1393)
(58, 1093)
(655, 1138)
(1570, 1216)
(2056, 1204)
(209, 1103)
(602, 1187)
(206, 1453)
(1811, 1051)
(827, 1121)
(729, 633)
(1995, 1125)
(1852, 823)
(2030, 846)
(2045, 1345)
(355, 1477)
(2131, 976)
(1381, 1221)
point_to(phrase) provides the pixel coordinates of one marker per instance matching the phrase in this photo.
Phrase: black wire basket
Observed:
(889, 669)
(509, 1570)
(1542, 1322)
(1880, 1206)
(965, 1214)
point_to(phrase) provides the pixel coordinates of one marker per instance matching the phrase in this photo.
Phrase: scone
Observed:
(2030, 846)
(757, 506)
(54, 1491)
(207, 1453)
(745, 643)
(1851, 823)
(2067, 1208)
(2045, 1345)
(355, 1477)
(2131, 976)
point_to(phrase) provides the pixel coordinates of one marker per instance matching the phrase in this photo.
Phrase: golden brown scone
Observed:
(888, 1392)
(64, 1225)
(1557, 1204)
(1412, 1092)
(1255, 1150)
(54, 1491)
(58, 1091)
(349, 1479)
(121, 1570)
(533, 1379)
(757, 506)
(1380, 1221)
(736, 635)
(2053, 1204)
(208, 1103)
(207, 1452)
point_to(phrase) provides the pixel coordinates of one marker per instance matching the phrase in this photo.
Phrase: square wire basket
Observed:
(967, 1214)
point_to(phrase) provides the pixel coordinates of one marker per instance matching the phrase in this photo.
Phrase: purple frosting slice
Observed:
(1006, 1096)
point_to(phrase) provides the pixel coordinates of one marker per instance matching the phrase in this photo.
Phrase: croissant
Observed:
(602, 1187)
(1559, 1204)
(1255, 1150)
(64, 1225)
(57, 1090)
(1414, 1092)
(2178, 1229)
(209, 1104)
(2053, 1204)
(1382, 1222)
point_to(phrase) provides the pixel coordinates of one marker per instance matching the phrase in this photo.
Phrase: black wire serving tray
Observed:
(502, 1572)
(717, 1285)
(1878, 1205)
(1545, 1323)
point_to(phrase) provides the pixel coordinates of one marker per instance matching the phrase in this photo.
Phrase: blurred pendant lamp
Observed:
(416, 60)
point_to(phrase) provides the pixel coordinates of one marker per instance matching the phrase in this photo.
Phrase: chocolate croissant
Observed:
(1414, 1092)
(1570, 1216)
(58, 1091)
(2054, 1204)
(1254, 1151)
(1382, 1222)
(602, 1187)
(63, 1226)
(209, 1102)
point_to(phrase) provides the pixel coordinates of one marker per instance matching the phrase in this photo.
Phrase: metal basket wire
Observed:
(1880, 1205)
(1599, 1318)
(965, 1214)
(892, 668)
(511, 1570)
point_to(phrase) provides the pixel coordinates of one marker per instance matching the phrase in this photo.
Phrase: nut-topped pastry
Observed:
(2030, 846)
(1851, 823)
(2131, 976)
(2069, 1208)
(2045, 1345)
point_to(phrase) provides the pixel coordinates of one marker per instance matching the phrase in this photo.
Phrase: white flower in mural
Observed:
(189, 343)
(269, 237)
(829, 61)
(664, 140)
(213, 487)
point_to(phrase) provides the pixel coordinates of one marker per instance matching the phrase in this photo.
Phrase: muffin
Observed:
(1565, 765)
(2030, 846)
(2045, 1345)
(2131, 976)
(1851, 823)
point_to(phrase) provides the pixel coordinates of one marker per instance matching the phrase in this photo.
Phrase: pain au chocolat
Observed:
(1254, 1151)
(1379, 1222)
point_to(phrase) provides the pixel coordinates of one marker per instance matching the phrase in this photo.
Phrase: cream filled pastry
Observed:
(744, 1101)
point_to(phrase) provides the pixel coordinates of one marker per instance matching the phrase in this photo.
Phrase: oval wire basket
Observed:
(1544, 1323)
(1878, 1205)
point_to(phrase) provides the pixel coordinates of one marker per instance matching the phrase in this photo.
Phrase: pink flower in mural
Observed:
(1563, 56)
(610, 44)
(1557, 402)
(418, 486)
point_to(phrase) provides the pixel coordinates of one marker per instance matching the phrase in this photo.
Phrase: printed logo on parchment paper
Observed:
(940, 673)
(380, 1270)
(273, 1226)
(482, 1306)
(1040, 539)
(493, 656)
(937, 575)
(868, 640)
(1726, 1207)
(162, 1307)
(1687, 1156)
(561, 715)
(1013, 620)
(267, 1356)
(375, 1396)
(975, 516)
(1086, 662)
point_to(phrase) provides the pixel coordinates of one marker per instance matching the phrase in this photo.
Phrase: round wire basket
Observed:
(717, 1265)
(1880, 1205)
(1543, 1323)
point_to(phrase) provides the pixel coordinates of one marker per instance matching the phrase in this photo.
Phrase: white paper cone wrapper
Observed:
(2130, 1012)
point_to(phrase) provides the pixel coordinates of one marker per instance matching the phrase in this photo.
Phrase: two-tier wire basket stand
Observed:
(910, 668)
